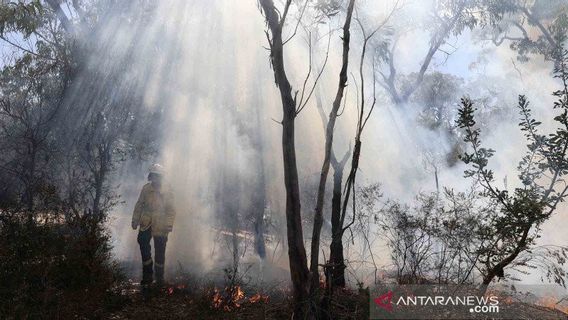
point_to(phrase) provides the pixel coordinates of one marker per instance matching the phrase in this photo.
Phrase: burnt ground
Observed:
(206, 302)
(185, 301)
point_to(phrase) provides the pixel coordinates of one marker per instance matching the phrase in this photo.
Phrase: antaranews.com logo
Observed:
(431, 302)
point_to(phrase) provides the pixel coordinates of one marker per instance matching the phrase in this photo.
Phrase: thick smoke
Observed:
(202, 66)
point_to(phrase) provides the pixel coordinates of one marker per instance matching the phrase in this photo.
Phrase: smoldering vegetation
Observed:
(346, 126)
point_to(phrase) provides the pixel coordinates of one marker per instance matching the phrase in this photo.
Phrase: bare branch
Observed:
(297, 23)
(439, 39)
(286, 8)
(302, 106)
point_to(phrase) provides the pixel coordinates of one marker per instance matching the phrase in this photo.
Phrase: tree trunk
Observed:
(335, 267)
(296, 250)
(436, 179)
(437, 40)
(335, 276)
(259, 206)
(30, 181)
(103, 158)
(497, 270)
(259, 202)
(318, 216)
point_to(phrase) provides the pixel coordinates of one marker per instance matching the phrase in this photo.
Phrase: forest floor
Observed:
(182, 301)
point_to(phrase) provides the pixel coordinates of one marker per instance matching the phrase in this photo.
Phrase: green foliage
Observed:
(516, 225)
(530, 27)
(480, 156)
(57, 163)
(21, 17)
(437, 96)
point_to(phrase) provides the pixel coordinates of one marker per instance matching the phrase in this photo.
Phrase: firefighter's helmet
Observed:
(157, 169)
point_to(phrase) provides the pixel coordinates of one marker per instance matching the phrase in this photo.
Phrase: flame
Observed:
(238, 294)
(258, 297)
(217, 299)
(322, 283)
(236, 297)
(231, 298)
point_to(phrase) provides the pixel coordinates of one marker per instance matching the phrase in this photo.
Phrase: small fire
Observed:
(258, 297)
(177, 288)
(322, 283)
(217, 299)
(229, 298)
(237, 296)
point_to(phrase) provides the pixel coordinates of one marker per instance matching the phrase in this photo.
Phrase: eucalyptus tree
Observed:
(292, 104)
(93, 128)
(365, 108)
(528, 26)
(34, 79)
(40, 66)
(329, 132)
(449, 18)
(335, 277)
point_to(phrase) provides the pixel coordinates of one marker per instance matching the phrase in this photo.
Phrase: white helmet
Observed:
(157, 169)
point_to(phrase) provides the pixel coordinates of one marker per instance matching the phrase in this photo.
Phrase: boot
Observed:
(147, 273)
(159, 269)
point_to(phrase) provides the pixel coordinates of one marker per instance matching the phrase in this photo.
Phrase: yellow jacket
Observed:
(155, 208)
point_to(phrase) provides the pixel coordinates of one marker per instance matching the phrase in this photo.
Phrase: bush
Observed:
(55, 270)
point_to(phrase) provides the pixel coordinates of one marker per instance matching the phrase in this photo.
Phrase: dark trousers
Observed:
(144, 238)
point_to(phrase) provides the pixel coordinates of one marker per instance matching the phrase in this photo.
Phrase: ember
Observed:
(322, 283)
(258, 297)
(230, 299)
(217, 299)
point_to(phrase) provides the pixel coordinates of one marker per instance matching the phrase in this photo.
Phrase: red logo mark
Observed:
(384, 301)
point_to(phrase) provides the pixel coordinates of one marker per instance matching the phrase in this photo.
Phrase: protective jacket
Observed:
(155, 209)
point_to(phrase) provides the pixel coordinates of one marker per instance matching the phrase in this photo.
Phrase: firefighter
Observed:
(154, 216)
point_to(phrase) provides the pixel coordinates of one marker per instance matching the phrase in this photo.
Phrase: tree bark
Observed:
(318, 216)
(100, 170)
(497, 270)
(259, 197)
(29, 176)
(335, 276)
(296, 250)
(335, 267)
(260, 206)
